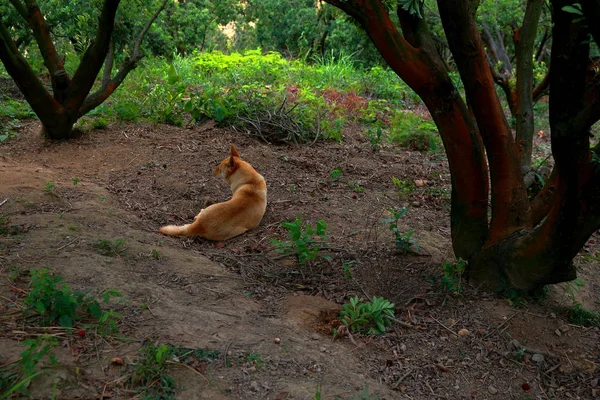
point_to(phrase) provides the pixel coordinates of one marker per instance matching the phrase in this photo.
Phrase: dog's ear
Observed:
(234, 152)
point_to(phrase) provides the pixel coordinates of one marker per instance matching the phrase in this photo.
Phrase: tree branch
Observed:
(93, 58)
(41, 32)
(542, 88)
(42, 103)
(110, 85)
(524, 51)
(509, 196)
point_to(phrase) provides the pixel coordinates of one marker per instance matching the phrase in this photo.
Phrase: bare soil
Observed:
(239, 296)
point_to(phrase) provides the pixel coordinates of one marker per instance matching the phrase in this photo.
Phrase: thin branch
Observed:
(138, 42)
(542, 88)
(524, 42)
(108, 64)
(509, 195)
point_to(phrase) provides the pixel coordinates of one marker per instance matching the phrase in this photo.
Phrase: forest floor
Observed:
(269, 319)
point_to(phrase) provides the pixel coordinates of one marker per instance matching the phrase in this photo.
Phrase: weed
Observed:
(367, 317)
(335, 174)
(53, 301)
(49, 187)
(409, 130)
(150, 373)
(356, 187)
(404, 186)
(404, 241)
(128, 111)
(364, 395)
(6, 228)
(75, 180)
(99, 123)
(149, 377)
(108, 248)
(347, 268)
(303, 243)
(16, 379)
(155, 254)
(256, 359)
(375, 136)
(579, 315)
(452, 273)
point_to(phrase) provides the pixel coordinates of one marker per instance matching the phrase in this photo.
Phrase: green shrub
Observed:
(305, 241)
(128, 111)
(371, 317)
(53, 301)
(414, 133)
(404, 241)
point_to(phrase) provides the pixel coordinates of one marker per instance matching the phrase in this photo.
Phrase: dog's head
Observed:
(229, 165)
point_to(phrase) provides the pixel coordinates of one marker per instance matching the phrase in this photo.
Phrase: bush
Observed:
(411, 131)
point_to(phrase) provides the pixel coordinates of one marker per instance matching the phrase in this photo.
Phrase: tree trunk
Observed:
(526, 243)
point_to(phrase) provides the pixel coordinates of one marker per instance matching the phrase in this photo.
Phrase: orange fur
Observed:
(244, 211)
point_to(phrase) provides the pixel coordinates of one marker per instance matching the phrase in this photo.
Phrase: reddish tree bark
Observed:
(525, 243)
(71, 98)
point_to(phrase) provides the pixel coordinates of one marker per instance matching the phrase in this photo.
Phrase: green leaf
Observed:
(66, 321)
(95, 310)
(573, 9)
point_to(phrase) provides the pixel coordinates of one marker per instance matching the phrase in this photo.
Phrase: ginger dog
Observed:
(244, 211)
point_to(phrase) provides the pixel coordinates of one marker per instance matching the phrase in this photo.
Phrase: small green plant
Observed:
(356, 187)
(452, 273)
(52, 301)
(404, 241)
(375, 136)
(404, 186)
(371, 317)
(99, 123)
(579, 315)
(15, 379)
(155, 254)
(49, 187)
(347, 268)
(108, 248)
(411, 131)
(305, 241)
(256, 359)
(149, 376)
(364, 395)
(6, 228)
(128, 111)
(75, 180)
(335, 174)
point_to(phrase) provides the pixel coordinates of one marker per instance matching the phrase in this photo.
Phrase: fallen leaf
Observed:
(117, 361)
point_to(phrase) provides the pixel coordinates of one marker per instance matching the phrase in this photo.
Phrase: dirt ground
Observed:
(239, 296)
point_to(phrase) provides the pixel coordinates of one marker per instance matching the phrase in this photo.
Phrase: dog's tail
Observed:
(193, 229)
